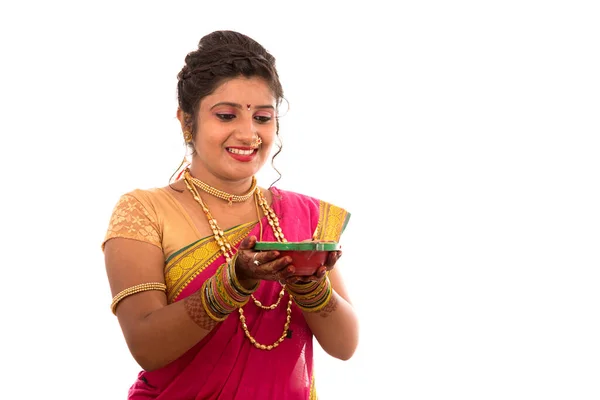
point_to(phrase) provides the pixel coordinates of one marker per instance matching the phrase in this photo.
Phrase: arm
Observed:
(336, 325)
(156, 333)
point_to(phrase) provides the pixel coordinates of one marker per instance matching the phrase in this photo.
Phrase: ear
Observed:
(184, 120)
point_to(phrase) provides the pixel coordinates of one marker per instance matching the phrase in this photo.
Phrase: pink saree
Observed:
(225, 365)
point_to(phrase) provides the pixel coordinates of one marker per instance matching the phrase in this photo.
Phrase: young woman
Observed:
(204, 315)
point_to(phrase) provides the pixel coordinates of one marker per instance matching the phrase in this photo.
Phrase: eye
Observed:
(225, 117)
(262, 119)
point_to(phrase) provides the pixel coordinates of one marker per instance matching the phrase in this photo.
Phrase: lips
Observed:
(242, 154)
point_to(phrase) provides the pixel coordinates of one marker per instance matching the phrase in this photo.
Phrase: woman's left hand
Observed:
(330, 262)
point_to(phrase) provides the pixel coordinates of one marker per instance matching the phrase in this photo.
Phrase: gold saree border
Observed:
(185, 264)
(332, 222)
(313, 390)
(331, 225)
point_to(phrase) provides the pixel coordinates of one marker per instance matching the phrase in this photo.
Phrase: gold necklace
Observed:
(218, 234)
(231, 198)
(228, 253)
(271, 216)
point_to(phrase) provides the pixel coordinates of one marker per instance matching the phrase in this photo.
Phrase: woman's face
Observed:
(229, 122)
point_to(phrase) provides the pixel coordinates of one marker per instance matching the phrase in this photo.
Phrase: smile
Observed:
(241, 152)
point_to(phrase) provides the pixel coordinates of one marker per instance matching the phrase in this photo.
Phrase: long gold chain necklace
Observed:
(228, 253)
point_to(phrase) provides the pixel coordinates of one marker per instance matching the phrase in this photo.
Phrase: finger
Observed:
(306, 278)
(320, 272)
(292, 280)
(248, 243)
(332, 258)
(273, 270)
(267, 256)
(317, 276)
(286, 273)
(260, 262)
(277, 265)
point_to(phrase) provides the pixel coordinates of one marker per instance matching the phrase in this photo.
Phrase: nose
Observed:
(247, 129)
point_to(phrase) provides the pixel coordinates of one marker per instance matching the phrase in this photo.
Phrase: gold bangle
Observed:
(142, 287)
(306, 302)
(206, 306)
(236, 282)
(322, 305)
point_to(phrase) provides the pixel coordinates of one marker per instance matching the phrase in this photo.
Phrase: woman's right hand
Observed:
(252, 266)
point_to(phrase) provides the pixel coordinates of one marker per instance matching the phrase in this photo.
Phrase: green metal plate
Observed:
(297, 246)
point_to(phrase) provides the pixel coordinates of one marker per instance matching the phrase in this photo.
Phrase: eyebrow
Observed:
(236, 105)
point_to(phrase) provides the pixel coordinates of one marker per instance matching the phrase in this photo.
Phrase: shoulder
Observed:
(295, 198)
(147, 197)
(330, 219)
(147, 202)
(144, 194)
(135, 217)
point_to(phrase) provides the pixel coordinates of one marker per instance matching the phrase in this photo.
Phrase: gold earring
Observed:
(187, 136)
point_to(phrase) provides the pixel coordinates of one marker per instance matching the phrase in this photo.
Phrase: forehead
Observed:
(241, 90)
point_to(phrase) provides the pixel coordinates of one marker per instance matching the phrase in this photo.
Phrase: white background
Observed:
(462, 136)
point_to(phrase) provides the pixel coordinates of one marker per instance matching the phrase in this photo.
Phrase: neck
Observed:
(235, 187)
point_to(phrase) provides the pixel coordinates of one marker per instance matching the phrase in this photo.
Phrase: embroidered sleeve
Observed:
(131, 220)
(332, 222)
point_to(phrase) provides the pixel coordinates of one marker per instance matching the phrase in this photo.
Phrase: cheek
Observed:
(209, 137)
(269, 137)
(268, 144)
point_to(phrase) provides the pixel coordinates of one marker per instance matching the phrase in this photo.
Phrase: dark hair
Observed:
(223, 55)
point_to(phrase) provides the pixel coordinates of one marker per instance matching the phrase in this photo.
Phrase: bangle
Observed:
(220, 294)
(142, 287)
(208, 304)
(311, 297)
(234, 279)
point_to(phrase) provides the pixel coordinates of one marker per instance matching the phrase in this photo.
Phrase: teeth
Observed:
(241, 152)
